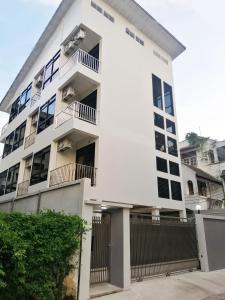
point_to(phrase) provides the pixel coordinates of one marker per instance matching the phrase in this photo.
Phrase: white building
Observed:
(95, 99)
(203, 170)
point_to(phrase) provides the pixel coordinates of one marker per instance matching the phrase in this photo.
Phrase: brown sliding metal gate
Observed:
(100, 249)
(161, 246)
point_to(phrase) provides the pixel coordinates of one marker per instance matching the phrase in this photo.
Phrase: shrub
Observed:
(35, 254)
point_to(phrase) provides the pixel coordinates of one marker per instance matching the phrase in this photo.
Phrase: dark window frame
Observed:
(174, 168)
(8, 144)
(176, 190)
(161, 165)
(163, 188)
(168, 99)
(50, 65)
(13, 177)
(3, 179)
(159, 121)
(172, 150)
(39, 174)
(48, 119)
(157, 92)
(21, 133)
(158, 145)
(171, 124)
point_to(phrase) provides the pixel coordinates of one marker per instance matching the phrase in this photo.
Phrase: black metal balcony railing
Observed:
(72, 172)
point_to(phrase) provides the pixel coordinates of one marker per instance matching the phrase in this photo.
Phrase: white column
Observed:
(155, 214)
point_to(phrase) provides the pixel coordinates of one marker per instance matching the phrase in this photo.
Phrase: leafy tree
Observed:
(35, 254)
(196, 140)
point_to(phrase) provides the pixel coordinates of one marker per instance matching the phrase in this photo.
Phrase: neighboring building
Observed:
(203, 174)
(210, 158)
(201, 188)
(93, 124)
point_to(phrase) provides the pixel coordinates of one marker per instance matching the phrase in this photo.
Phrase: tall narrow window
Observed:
(12, 179)
(51, 70)
(14, 110)
(160, 142)
(25, 97)
(8, 144)
(46, 116)
(3, 177)
(170, 127)
(163, 188)
(172, 146)
(190, 188)
(19, 136)
(176, 190)
(158, 121)
(168, 98)
(40, 166)
(157, 92)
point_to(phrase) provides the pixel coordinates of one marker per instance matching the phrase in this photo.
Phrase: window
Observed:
(170, 127)
(168, 98)
(140, 41)
(202, 188)
(163, 188)
(130, 33)
(3, 177)
(221, 153)
(174, 168)
(160, 142)
(176, 190)
(19, 136)
(157, 91)
(12, 179)
(108, 16)
(51, 70)
(21, 103)
(172, 146)
(190, 188)
(211, 156)
(161, 165)
(25, 98)
(46, 116)
(158, 121)
(40, 166)
(14, 110)
(97, 7)
(8, 145)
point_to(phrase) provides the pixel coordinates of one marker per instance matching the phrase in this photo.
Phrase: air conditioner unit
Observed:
(34, 120)
(69, 94)
(80, 36)
(64, 145)
(39, 81)
(28, 162)
(70, 48)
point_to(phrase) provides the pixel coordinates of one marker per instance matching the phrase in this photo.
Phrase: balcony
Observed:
(192, 161)
(76, 110)
(72, 172)
(75, 65)
(30, 140)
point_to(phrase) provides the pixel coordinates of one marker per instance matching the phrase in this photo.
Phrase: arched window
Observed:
(190, 187)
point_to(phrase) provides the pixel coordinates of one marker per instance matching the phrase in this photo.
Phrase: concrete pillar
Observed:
(85, 264)
(120, 248)
(155, 214)
(182, 214)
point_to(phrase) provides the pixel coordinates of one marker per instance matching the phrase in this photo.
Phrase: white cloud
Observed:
(43, 2)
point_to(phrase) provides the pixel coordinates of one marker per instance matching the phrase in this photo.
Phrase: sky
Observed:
(199, 73)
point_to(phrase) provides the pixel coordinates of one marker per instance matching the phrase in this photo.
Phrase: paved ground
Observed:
(188, 286)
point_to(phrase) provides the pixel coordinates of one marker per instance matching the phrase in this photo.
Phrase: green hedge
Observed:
(35, 254)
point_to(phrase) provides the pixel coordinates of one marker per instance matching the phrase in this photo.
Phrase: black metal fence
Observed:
(161, 245)
(100, 251)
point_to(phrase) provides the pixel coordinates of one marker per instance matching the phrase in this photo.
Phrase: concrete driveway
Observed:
(188, 286)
